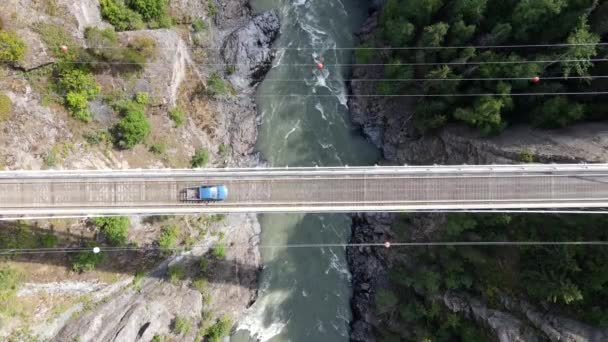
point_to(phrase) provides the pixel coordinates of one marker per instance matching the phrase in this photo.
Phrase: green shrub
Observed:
(181, 325)
(119, 15)
(103, 43)
(200, 158)
(12, 48)
(168, 237)
(216, 85)
(219, 251)
(364, 55)
(212, 8)
(219, 330)
(158, 338)
(79, 87)
(139, 50)
(96, 138)
(51, 158)
(10, 279)
(177, 115)
(203, 265)
(176, 273)
(86, 261)
(78, 105)
(6, 107)
(201, 285)
(142, 98)
(158, 148)
(54, 37)
(79, 81)
(526, 156)
(114, 228)
(386, 301)
(133, 128)
(131, 14)
(199, 25)
(139, 276)
(223, 150)
(48, 240)
(149, 9)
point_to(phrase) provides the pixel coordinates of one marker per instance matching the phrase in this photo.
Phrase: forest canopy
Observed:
(472, 26)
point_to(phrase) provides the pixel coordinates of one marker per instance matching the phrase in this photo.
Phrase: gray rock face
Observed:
(555, 327)
(507, 327)
(136, 315)
(368, 268)
(247, 49)
(165, 71)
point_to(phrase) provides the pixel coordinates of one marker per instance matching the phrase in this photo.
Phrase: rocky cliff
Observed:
(388, 123)
(178, 75)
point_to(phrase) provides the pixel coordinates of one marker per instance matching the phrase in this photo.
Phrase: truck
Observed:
(207, 193)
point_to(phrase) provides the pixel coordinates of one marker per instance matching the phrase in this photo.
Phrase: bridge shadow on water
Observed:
(16, 236)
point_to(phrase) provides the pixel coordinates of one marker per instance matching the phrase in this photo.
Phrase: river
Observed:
(304, 292)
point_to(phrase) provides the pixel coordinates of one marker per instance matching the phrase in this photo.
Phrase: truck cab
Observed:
(210, 193)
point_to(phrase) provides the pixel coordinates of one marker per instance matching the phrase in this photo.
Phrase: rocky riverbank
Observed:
(388, 123)
(233, 46)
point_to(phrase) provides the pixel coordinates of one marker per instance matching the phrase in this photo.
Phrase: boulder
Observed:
(247, 49)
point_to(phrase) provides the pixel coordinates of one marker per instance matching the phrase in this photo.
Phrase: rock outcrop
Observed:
(137, 314)
(508, 328)
(172, 78)
(21, 15)
(248, 51)
(368, 269)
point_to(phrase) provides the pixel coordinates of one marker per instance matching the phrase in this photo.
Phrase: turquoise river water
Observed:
(304, 293)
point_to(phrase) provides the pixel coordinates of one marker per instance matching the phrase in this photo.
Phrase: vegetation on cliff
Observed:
(567, 280)
(131, 14)
(12, 48)
(429, 26)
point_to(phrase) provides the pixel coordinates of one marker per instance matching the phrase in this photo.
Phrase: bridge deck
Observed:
(310, 190)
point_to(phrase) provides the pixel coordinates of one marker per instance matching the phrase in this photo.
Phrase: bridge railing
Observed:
(278, 171)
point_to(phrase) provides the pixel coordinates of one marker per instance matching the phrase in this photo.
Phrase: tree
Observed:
(435, 83)
(132, 129)
(581, 53)
(461, 33)
(220, 329)
(485, 115)
(531, 16)
(557, 112)
(119, 15)
(115, 229)
(398, 32)
(470, 10)
(149, 9)
(434, 35)
(200, 158)
(430, 115)
(420, 12)
(386, 301)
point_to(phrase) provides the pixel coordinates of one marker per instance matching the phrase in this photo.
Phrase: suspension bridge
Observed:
(316, 189)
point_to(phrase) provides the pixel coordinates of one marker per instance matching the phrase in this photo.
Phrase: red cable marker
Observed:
(535, 79)
(387, 244)
(320, 66)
